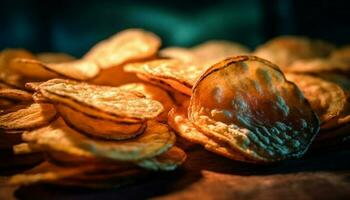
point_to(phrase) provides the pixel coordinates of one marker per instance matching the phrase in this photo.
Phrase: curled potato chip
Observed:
(101, 128)
(182, 54)
(57, 136)
(76, 69)
(166, 161)
(101, 101)
(131, 44)
(318, 65)
(15, 94)
(327, 99)
(170, 71)
(254, 109)
(24, 117)
(51, 57)
(152, 92)
(284, 50)
(114, 76)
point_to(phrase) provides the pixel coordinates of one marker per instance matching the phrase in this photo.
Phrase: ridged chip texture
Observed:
(254, 109)
(101, 101)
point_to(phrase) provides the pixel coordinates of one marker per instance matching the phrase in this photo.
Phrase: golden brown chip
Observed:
(57, 136)
(114, 76)
(102, 101)
(284, 50)
(317, 65)
(166, 161)
(182, 54)
(27, 116)
(15, 94)
(341, 54)
(51, 57)
(7, 67)
(213, 51)
(254, 109)
(131, 44)
(173, 72)
(77, 69)
(32, 86)
(152, 92)
(342, 80)
(101, 128)
(342, 119)
(326, 99)
(26, 148)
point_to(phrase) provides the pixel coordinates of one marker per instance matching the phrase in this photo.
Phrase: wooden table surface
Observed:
(319, 175)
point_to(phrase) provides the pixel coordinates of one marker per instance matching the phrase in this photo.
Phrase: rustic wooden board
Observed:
(319, 175)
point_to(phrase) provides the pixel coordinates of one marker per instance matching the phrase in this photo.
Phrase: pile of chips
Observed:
(108, 118)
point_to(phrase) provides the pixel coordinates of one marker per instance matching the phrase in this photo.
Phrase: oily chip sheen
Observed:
(101, 101)
(128, 45)
(254, 109)
(101, 128)
(170, 71)
(22, 117)
(327, 99)
(57, 136)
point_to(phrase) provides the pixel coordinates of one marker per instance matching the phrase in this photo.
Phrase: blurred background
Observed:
(74, 26)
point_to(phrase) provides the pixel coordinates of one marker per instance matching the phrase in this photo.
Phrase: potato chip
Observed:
(182, 54)
(57, 136)
(131, 44)
(213, 51)
(170, 71)
(33, 86)
(102, 101)
(114, 76)
(284, 50)
(7, 73)
(152, 92)
(27, 116)
(340, 120)
(15, 94)
(318, 65)
(253, 109)
(101, 128)
(77, 69)
(166, 161)
(180, 123)
(26, 148)
(342, 80)
(51, 57)
(341, 54)
(326, 99)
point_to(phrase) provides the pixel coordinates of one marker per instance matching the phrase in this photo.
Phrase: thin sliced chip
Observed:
(102, 101)
(152, 92)
(114, 76)
(131, 44)
(180, 123)
(15, 94)
(167, 161)
(213, 51)
(51, 57)
(254, 109)
(27, 117)
(77, 69)
(326, 99)
(173, 72)
(341, 54)
(7, 73)
(101, 128)
(284, 50)
(156, 140)
(182, 54)
(318, 65)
